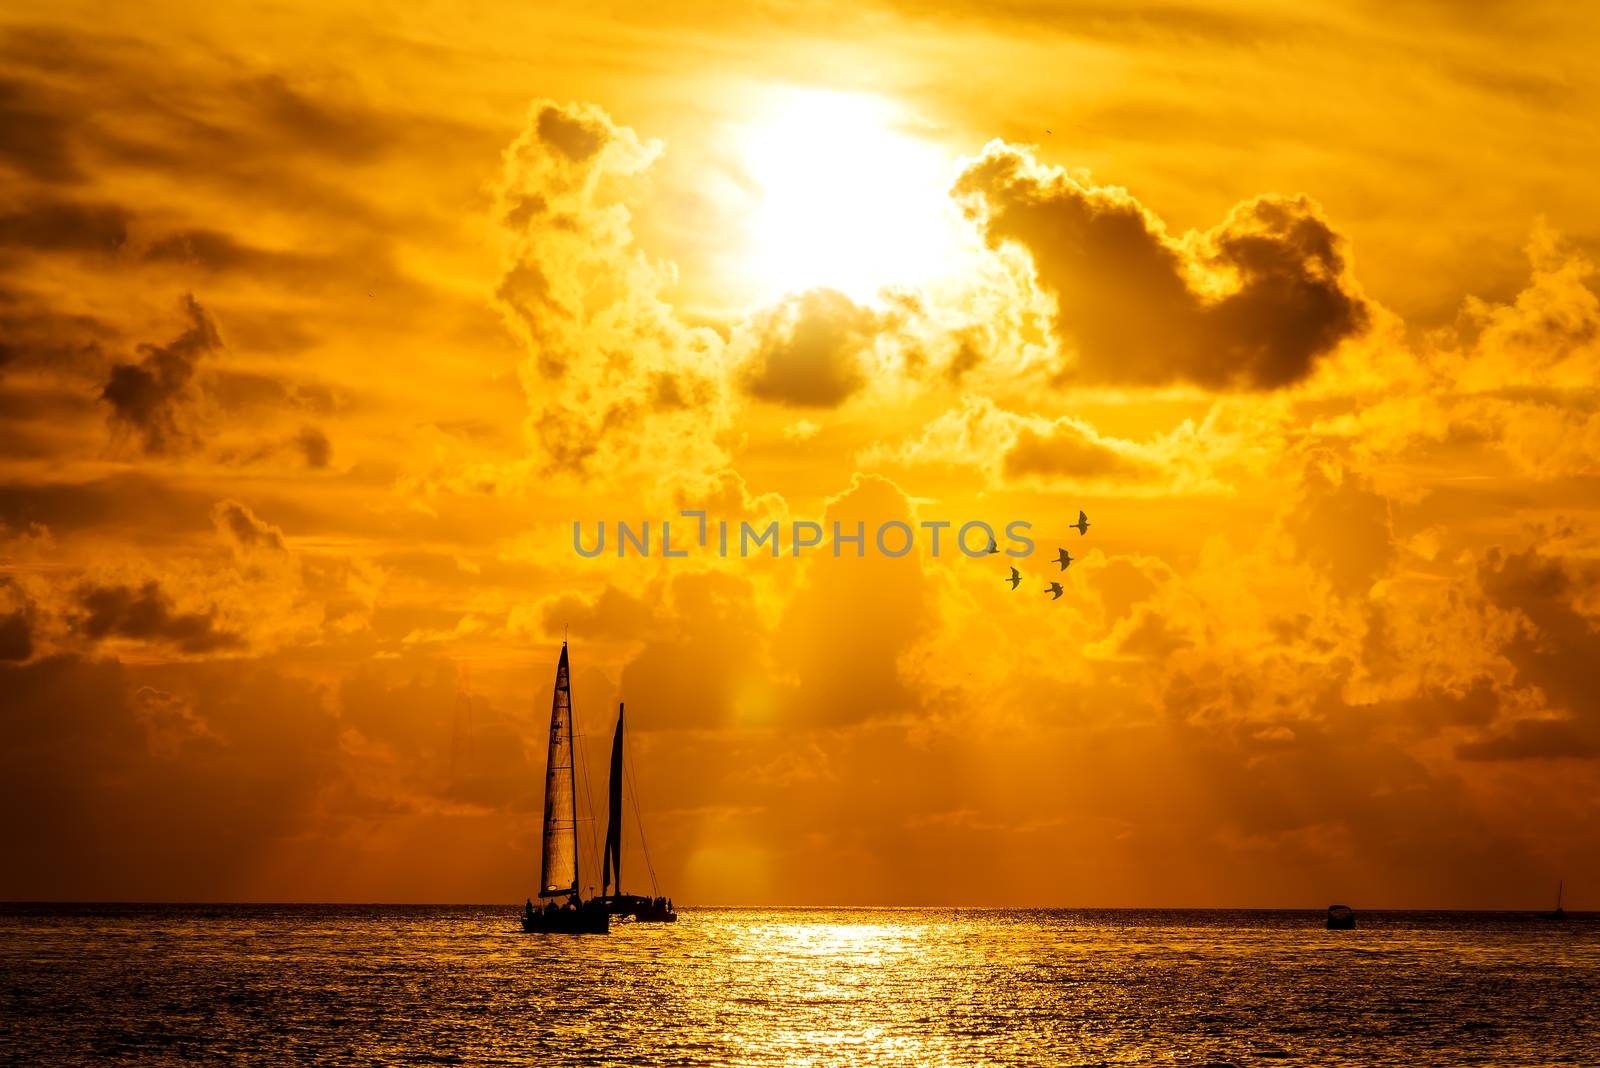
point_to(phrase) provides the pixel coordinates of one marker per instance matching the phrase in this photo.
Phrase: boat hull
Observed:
(592, 918)
(641, 909)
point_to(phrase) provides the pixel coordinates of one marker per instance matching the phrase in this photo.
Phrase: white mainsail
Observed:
(559, 870)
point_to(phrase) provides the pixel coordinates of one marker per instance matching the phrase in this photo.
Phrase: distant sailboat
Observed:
(653, 909)
(1341, 918)
(1559, 913)
(558, 869)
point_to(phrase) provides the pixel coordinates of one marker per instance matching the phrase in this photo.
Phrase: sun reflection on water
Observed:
(284, 984)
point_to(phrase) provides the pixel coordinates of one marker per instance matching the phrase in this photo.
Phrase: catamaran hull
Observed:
(640, 909)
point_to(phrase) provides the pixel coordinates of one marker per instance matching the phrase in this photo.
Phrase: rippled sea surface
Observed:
(441, 985)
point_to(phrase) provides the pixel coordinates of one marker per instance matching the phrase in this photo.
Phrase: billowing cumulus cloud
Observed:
(610, 364)
(810, 350)
(1011, 448)
(1069, 449)
(1250, 304)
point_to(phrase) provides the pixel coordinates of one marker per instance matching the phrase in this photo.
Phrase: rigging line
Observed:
(582, 766)
(638, 819)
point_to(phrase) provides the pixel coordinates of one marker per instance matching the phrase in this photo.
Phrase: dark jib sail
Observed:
(558, 874)
(611, 866)
(653, 909)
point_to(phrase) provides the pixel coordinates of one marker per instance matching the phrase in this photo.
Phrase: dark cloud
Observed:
(1341, 526)
(34, 335)
(42, 421)
(49, 225)
(242, 527)
(1533, 739)
(16, 621)
(263, 134)
(1128, 295)
(1554, 649)
(131, 499)
(243, 390)
(34, 138)
(314, 446)
(16, 637)
(1067, 450)
(1148, 24)
(341, 130)
(213, 250)
(1150, 636)
(147, 614)
(150, 398)
(568, 132)
(155, 783)
(809, 349)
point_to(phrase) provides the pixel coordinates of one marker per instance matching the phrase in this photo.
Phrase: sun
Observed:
(848, 197)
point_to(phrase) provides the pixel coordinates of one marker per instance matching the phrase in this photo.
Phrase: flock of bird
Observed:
(1063, 559)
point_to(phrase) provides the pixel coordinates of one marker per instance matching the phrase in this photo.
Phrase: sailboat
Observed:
(1560, 913)
(653, 909)
(558, 868)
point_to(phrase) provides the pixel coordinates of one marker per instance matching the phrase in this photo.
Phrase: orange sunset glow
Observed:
(324, 326)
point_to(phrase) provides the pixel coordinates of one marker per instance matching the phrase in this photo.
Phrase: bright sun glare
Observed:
(849, 199)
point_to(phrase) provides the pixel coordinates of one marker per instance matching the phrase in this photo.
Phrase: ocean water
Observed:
(171, 985)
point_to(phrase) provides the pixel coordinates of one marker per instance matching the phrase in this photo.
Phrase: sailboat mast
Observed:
(572, 785)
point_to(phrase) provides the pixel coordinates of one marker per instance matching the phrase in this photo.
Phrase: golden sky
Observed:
(321, 325)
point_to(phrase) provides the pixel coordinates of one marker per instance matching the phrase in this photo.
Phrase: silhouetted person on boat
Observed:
(527, 908)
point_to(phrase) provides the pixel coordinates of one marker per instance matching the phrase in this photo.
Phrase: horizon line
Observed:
(9, 902)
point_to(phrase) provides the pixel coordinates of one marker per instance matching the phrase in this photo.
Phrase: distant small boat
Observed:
(558, 866)
(1341, 918)
(656, 909)
(1559, 913)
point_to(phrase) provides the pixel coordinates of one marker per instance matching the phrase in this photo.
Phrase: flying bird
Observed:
(1055, 591)
(1015, 579)
(1082, 524)
(993, 548)
(1063, 558)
